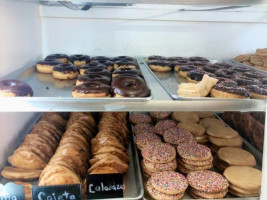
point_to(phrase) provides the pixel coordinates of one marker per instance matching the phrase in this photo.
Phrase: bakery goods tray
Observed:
(45, 86)
(132, 180)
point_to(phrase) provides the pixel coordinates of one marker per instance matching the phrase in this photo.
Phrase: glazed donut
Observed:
(234, 92)
(125, 64)
(65, 71)
(129, 86)
(107, 63)
(185, 69)
(244, 81)
(258, 91)
(103, 72)
(123, 71)
(63, 58)
(15, 88)
(160, 65)
(124, 58)
(46, 66)
(90, 66)
(93, 78)
(177, 64)
(197, 58)
(79, 59)
(155, 57)
(101, 58)
(87, 90)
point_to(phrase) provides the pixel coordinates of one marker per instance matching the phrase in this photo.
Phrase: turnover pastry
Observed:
(20, 174)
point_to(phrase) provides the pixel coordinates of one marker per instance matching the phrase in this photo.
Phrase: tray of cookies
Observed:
(80, 76)
(62, 149)
(197, 78)
(186, 155)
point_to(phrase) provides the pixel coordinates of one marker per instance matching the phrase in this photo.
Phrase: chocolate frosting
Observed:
(88, 88)
(65, 68)
(125, 62)
(183, 62)
(49, 62)
(124, 58)
(130, 86)
(101, 58)
(79, 57)
(241, 69)
(196, 75)
(210, 68)
(160, 63)
(103, 72)
(230, 74)
(234, 90)
(187, 68)
(56, 56)
(126, 71)
(93, 65)
(17, 87)
(197, 58)
(244, 81)
(226, 82)
(258, 89)
(177, 59)
(94, 77)
(103, 62)
(156, 57)
(201, 63)
(257, 75)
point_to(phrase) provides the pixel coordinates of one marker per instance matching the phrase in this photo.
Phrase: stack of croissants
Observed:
(62, 148)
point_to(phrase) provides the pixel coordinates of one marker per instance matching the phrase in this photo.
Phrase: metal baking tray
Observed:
(170, 81)
(44, 85)
(132, 180)
(246, 145)
(247, 66)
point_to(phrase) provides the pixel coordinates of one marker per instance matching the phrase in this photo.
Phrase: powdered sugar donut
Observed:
(194, 151)
(157, 167)
(159, 153)
(138, 118)
(163, 125)
(155, 194)
(169, 182)
(143, 128)
(207, 181)
(178, 136)
(144, 139)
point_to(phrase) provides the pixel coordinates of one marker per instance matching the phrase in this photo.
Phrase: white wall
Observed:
(20, 35)
(146, 30)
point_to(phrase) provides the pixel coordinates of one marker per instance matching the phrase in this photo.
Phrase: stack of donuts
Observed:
(97, 78)
(109, 145)
(69, 164)
(234, 81)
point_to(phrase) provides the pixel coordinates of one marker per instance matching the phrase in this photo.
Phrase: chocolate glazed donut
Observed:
(91, 66)
(129, 86)
(91, 90)
(63, 58)
(79, 59)
(46, 66)
(13, 88)
(107, 63)
(103, 72)
(65, 71)
(101, 58)
(93, 78)
(125, 71)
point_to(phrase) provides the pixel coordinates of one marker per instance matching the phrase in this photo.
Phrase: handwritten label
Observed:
(57, 192)
(100, 186)
(12, 191)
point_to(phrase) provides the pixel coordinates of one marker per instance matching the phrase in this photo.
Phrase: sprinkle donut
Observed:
(164, 125)
(207, 181)
(144, 139)
(143, 128)
(139, 118)
(157, 167)
(159, 153)
(169, 182)
(194, 151)
(155, 194)
(178, 136)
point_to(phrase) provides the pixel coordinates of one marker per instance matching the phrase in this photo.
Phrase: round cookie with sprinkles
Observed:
(207, 181)
(194, 167)
(163, 125)
(157, 167)
(160, 115)
(144, 139)
(194, 151)
(202, 194)
(155, 194)
(169, 182)
(145, 170)
(143, 128)
(178, 136)
(198, 163)
(139, 118)
(159, 153)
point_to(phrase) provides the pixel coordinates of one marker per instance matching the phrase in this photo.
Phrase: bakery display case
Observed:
(217, 30)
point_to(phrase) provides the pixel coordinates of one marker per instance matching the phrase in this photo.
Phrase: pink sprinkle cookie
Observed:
(144, 139)
(163, 125)
(169, 182)
(158, 167)
(178, 136)
(155, 194)
(159, 153)
(139, 118)
(143, 128)
(160, 115)
(194, 151)
(198, 163)
(207, 181)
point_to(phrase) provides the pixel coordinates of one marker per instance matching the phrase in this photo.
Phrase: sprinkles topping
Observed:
(139, 118)
(164, 125)
(143, 128)
(194, 151)
(207, 181)
(161, 166)
(146, 138)
(178, 136)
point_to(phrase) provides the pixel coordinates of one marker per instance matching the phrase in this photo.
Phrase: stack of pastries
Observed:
(69, 164)
(109, 145)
